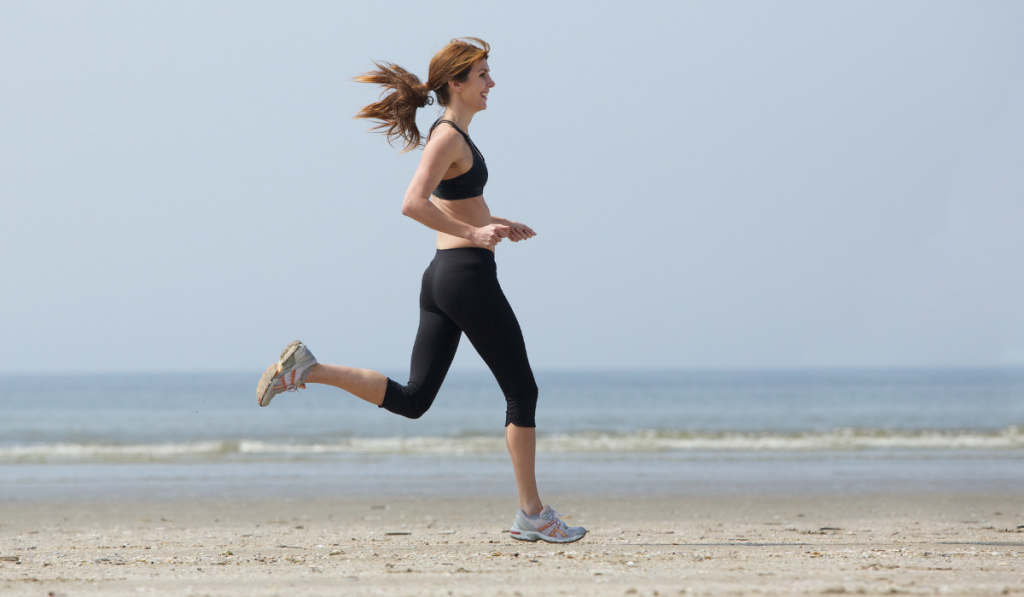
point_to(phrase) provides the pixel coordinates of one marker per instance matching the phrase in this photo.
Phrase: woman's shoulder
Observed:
(444, 128)
(444, 138)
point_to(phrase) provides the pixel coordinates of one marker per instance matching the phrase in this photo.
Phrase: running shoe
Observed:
(286, 375)
(544, 527)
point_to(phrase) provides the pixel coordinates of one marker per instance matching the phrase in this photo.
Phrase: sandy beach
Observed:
(702, 545)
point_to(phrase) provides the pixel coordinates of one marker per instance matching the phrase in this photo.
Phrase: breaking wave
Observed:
(647, 441)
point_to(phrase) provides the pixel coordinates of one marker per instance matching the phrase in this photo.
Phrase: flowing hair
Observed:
(403, 94)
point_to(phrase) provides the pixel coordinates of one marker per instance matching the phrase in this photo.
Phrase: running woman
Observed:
(460, 291)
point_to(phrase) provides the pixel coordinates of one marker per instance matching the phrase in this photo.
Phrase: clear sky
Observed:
(715, 185)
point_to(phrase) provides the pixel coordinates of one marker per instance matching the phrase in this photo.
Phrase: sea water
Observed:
(130, 436)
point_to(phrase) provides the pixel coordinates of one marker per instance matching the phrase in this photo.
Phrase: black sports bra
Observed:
(468, 184)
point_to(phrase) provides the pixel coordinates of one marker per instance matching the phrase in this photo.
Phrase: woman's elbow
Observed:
(411, 206)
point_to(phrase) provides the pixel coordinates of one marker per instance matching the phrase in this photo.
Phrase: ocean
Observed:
(629, 432)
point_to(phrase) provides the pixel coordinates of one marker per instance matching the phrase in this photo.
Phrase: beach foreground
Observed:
(773, 545)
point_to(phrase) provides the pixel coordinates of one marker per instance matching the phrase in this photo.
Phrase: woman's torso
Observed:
(465, 176)
(472, 211)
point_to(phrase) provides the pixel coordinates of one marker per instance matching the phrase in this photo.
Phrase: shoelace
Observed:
(549, 513)
(288, 387)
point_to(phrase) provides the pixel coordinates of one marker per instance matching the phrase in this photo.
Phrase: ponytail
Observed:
(395, 113)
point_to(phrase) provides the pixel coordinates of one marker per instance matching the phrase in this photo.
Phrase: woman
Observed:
(460, 291)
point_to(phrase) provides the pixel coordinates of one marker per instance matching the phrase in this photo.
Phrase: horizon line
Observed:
(575, 370)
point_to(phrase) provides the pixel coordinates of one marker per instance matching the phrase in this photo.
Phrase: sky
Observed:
(740, 185)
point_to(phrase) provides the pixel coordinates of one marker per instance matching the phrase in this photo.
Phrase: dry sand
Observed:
(692, 545)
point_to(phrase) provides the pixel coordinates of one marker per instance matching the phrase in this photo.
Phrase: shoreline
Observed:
(920, 543)
(659, 474)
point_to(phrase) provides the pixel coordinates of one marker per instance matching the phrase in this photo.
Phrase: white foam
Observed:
(838, 439)
(113, 452)
(384, 445)
(1011, 438)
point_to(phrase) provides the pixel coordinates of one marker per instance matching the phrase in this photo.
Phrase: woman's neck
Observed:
(461, 118)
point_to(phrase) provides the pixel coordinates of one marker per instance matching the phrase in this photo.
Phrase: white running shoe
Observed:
(544, 527)
(286, 375)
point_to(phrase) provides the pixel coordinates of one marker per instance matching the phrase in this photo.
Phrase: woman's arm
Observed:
(443, 150)
(516, 231)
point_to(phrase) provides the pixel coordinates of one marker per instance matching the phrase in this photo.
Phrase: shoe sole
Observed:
(263, 395)
(533, 537)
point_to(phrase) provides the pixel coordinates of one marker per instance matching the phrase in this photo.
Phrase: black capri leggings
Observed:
(460, 293)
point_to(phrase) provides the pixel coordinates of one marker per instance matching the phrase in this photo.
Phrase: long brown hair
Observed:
(395, 113)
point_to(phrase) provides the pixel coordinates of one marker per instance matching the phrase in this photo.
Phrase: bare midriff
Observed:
(472, 211)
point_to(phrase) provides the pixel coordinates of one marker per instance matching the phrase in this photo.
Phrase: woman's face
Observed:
(477, 85)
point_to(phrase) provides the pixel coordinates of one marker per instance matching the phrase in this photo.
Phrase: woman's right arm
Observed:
(437, 157)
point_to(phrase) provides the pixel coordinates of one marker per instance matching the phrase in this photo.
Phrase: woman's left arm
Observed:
(517, 230)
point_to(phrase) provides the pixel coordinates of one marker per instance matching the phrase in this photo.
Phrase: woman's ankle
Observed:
(531, 509)
(314, 374)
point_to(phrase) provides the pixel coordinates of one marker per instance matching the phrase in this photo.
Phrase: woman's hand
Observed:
(489, 235)
(518, 232)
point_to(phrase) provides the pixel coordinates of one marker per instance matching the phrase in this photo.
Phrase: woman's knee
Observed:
(409, 401)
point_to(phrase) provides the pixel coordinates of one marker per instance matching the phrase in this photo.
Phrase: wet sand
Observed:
(692, 545)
